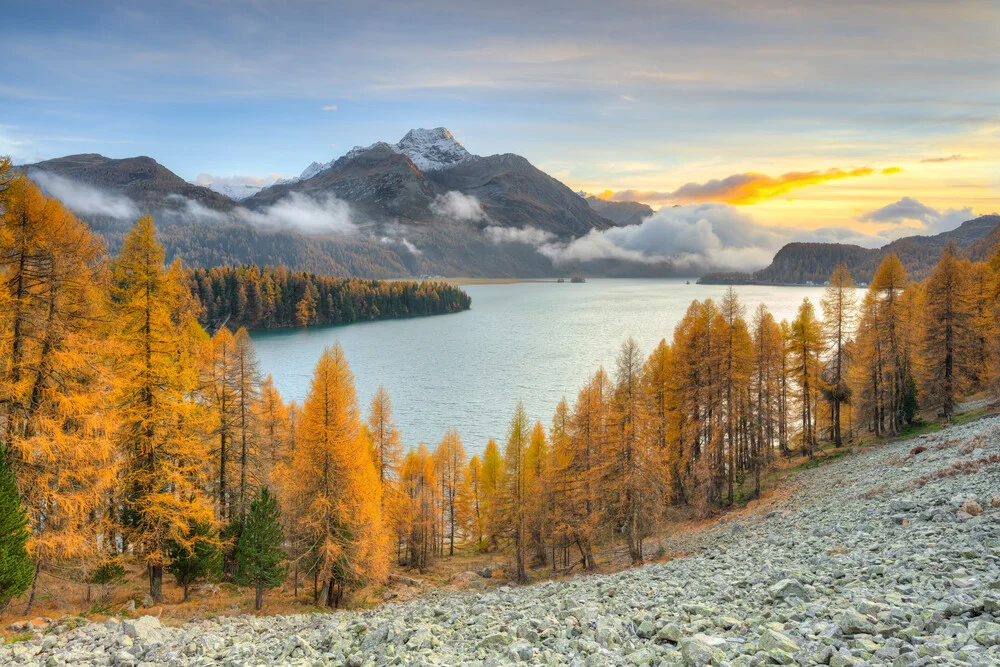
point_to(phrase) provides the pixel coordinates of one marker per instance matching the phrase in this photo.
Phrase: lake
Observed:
(534, 342)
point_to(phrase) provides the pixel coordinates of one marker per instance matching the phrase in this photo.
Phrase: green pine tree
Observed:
(259, 551)
(16, 569)
(191, 565)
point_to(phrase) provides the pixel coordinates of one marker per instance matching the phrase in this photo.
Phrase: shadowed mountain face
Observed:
(378, 182)
(142, 179)
(514, 193)
(621, 213)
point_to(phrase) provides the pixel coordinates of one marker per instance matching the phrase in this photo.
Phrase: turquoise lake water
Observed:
(534, 342)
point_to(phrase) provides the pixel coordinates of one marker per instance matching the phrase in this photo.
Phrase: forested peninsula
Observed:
(276, 298)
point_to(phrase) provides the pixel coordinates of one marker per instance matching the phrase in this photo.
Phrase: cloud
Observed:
(740, 189)
(946, 158)
(84, 199)
(527, 235)
(297, 211)
(694, 238)
(189, 210)
(330, 107)
(458, 206)
(909, 210)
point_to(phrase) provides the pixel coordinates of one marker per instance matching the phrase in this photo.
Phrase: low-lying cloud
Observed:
(297, 211)
(740, 189)
(695, 237)
(84, 199)
(913, 213)
(527, 235)
(458, 206)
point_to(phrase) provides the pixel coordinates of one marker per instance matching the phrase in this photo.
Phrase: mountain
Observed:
(427, 149)
(621, 213)
(233, 191)
(386, 182)
(798, 263)
(432, 149)
(982, 250)
(377, 181)
(515, 193)
(373, 212)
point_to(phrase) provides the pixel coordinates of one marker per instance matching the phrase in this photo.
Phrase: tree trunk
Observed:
(259, 598)
(34, 587)
(156, 582)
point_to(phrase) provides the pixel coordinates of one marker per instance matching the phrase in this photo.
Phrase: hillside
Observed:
(798, 263)
(883, 557)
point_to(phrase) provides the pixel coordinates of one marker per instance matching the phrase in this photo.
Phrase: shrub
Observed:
(971, 507)
(919, 449)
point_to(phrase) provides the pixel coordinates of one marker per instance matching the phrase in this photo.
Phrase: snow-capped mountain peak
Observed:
(432, 149)
(428, 149)
(235, 191)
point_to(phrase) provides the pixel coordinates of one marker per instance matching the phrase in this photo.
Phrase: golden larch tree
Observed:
(333, 481)
(158, 424)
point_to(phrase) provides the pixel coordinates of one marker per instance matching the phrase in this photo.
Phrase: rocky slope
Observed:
(889, 557)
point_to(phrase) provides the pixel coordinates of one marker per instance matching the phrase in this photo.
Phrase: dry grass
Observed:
(967, 467)
(971, 507)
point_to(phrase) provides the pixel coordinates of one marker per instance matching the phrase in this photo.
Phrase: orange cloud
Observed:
(741, 189)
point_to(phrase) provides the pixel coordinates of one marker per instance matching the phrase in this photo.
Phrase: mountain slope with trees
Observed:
(799, 263)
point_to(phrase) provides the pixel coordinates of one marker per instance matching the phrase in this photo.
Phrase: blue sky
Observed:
(642, 96)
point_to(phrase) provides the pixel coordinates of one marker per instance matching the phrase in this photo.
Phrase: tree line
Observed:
(131, 437)
(700, 420)
(274, 297)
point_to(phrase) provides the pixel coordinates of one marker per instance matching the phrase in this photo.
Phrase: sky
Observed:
(868, 119)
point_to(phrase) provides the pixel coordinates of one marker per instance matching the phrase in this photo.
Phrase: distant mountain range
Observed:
(421, 206)
(802, 263)
(424, 205)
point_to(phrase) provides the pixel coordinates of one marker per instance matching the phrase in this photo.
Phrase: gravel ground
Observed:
(889, 557)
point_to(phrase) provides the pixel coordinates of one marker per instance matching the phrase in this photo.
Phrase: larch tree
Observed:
(838, 304)
(558, 485)
(275, 429)
(888, 286)
(806, 344)
(219, 382)
(631, 476)
(474, 487)
(451, 464)
(536, 461)
(732, 314)
(246, 379)
(158, 425)
(946, 319)
(333, 480)
(492, 484)
(992, 372)
(54, 389)
(766, 382)
(418, 516)
(515, 489)
(387, 442)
